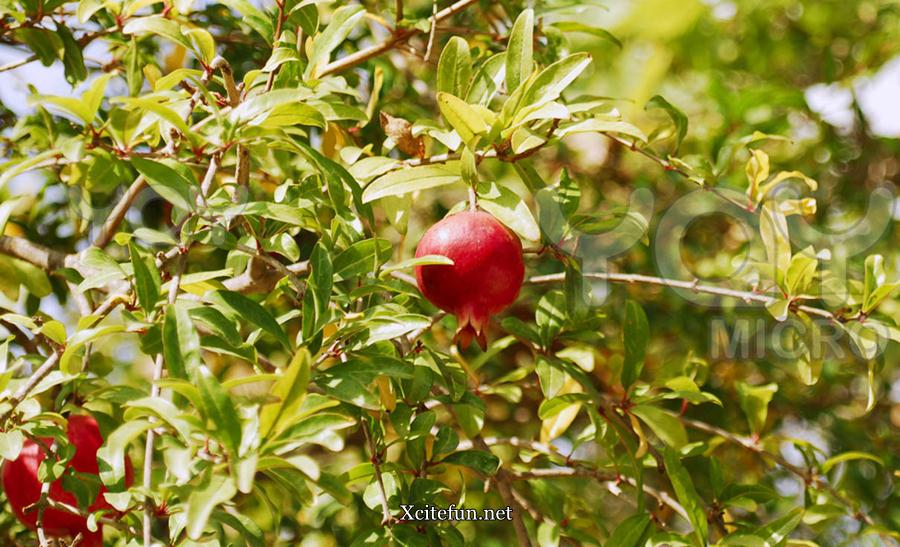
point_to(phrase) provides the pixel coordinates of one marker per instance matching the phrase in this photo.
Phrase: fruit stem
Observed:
(473, 199)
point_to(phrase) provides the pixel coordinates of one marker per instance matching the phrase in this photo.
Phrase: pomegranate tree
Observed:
(486, 274)
(22, 487)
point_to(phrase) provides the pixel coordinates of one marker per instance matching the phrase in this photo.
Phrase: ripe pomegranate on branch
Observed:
(486, 274)
(23, 487)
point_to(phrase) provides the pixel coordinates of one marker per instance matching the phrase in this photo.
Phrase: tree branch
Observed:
(35, 254)
(753, 445)
(398, 38)
(746, 296)
(109, 228)
(23, 392)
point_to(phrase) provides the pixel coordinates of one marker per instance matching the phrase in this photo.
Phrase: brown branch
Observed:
(270, 80)
(280, 268)
(23, 392)
(808, 476)
(693, 286)
(109, 228)
(398, 38)
(220, 63)
(35, 254)
(387, 519)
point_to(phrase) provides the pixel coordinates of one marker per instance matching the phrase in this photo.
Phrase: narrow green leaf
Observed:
(635, 332)
(463, 117)
(754, 402)
(111, 456)
(678, 117)
(146, 279)
(241, 307)
(218, 408)
(828, 464)
(168, 182)
(519, 62)
(454, 67)
(664, 425)
(403, 181)
(181, 343)
(215, 490)
(343, 19)
(686, 494)
(479, 460)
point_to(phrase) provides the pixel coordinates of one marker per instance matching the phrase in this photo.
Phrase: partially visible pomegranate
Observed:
(486, 274)
(22, 487)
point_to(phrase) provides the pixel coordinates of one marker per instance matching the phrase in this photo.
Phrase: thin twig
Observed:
(270, 81)
(25, 390)
(753, 445)
(364, 55)
(747, 296)
(154, 392)
(387, 518)
(109, 228)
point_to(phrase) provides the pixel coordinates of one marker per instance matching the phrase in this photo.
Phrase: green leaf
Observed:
(574, 26)
(508, 208)
(686, 494)
(554, 405)
(774, 232)
(46, 45)
(73, 61)
(201, 43)
(550, 315)
(636, 333)
(631, 532)
(602, 125)
(78, 340)
(218, 408)
(550, 82)
(318, 293)
(479, 460)
(241, 307)
(169, 182)
(755, 403)
(146, 279)
(677, 116)
(215, 490)
(519, 63)
(158, 25)
(486, 82)
(181, 344)
(342, 22)
(664, 425)
(466, 119)
(403, 181)
(111, 456)
(454, 67)
(162, 409)
(779, 308)
(828, 464)
(875, 284)
(289, 391)
(361, 258)
(84, 108)
(11, 443)
(215, 321)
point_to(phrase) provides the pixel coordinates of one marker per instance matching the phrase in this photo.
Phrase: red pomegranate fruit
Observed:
(486, 274)
(22, 487)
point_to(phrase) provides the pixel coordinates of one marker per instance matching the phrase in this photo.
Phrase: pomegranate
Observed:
(22, 487)
(486, 274)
